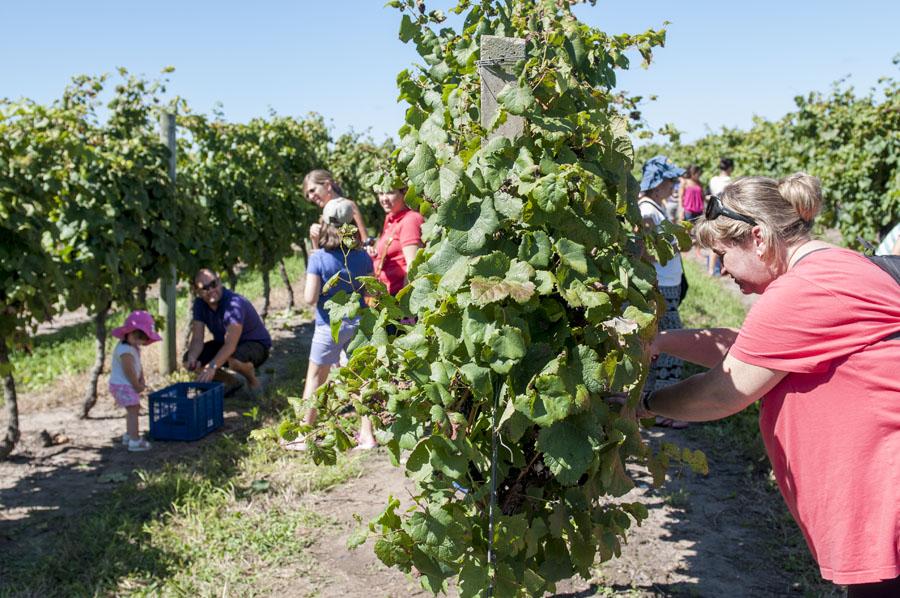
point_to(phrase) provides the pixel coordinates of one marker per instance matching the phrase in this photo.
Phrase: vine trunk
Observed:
(90, 395)
(12, 407)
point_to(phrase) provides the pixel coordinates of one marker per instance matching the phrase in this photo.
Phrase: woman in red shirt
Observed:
(820, 348)
(401, 238)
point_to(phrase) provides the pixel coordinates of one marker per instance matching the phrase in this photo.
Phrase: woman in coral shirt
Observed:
(820, 348)
(401, 238)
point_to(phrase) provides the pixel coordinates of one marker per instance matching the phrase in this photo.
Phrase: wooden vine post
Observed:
(167, 295)
(497, 55)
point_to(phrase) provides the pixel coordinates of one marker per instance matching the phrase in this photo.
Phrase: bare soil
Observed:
(60, 480)
(718, 535)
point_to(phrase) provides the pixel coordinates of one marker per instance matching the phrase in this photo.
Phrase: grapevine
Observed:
(532, 300)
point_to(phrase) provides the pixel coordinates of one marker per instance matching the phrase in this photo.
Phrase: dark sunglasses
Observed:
(714, 209)
(202, 288)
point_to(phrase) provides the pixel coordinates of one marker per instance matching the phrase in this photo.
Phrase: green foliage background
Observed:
(89, 216)
(850, 141)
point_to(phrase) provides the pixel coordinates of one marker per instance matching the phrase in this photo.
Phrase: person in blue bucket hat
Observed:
(656, 171)
(659, 175)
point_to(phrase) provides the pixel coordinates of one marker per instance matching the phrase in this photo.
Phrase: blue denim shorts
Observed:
(324, 351)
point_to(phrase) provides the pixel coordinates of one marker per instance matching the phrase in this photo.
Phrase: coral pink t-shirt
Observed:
(400, 230)
(832, 426)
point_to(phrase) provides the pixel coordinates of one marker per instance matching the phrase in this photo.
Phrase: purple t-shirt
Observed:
(232, 309)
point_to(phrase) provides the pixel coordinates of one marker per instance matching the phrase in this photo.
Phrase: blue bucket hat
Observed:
(656, 170)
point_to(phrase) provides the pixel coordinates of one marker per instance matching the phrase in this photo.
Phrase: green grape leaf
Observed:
(517, 100)
(566, 451)
(572, 255)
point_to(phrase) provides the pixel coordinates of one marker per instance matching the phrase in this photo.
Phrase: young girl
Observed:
(691, 193)
(329, 259)
(126, 377)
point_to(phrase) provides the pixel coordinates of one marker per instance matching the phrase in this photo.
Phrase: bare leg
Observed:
(132, 414)
(366, 434)
(245, 369)
(315, 377)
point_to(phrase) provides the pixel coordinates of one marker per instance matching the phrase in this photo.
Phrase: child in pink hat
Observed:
(126, 377)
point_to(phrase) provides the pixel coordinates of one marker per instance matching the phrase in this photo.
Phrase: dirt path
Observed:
(38, 483)
(706, 536)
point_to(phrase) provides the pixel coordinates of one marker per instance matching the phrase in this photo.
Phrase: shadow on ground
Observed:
(92, 488)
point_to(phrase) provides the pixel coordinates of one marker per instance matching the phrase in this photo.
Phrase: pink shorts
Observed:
(124, 395)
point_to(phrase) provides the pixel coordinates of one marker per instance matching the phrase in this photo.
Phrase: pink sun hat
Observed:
(138, 320)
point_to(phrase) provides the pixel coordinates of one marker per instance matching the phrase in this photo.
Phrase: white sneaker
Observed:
(138, 445)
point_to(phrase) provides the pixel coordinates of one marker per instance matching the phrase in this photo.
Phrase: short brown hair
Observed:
(330, 237)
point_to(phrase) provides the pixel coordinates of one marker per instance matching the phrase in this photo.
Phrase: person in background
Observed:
(401, 238)
(690, 194)
(126, 376)
(240, 339)
(717, 184)
(659, 176)
(671, 205)
(890, 244)
(691, 197)
(820, 349)
(319, 187)
(332, 257)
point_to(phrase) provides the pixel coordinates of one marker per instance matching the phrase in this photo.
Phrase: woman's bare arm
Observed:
(312, 289)
(703, 346)
(724, 390)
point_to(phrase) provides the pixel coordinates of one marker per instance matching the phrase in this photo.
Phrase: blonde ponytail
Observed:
(804, 193)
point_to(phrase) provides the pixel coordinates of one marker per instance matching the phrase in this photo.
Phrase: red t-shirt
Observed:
(832, 426)
(400, 230)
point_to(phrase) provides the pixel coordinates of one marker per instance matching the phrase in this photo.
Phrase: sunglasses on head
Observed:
(202, 288)
(714, 209)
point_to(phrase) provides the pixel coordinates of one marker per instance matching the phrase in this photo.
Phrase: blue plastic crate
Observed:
(186, 410)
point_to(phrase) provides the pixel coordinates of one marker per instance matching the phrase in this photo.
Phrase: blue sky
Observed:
(723, 62)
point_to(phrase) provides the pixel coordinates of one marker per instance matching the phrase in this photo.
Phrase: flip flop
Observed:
(668, 422)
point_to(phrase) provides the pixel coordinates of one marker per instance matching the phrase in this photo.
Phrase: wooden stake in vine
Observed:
(90, 395)
(498, 54)
(287, 283)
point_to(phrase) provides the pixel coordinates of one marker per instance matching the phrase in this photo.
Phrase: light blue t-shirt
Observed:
(890, 239)
(325, 263)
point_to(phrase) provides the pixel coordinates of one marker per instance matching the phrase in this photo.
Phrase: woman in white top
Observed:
(657, 182)
(890, 244)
